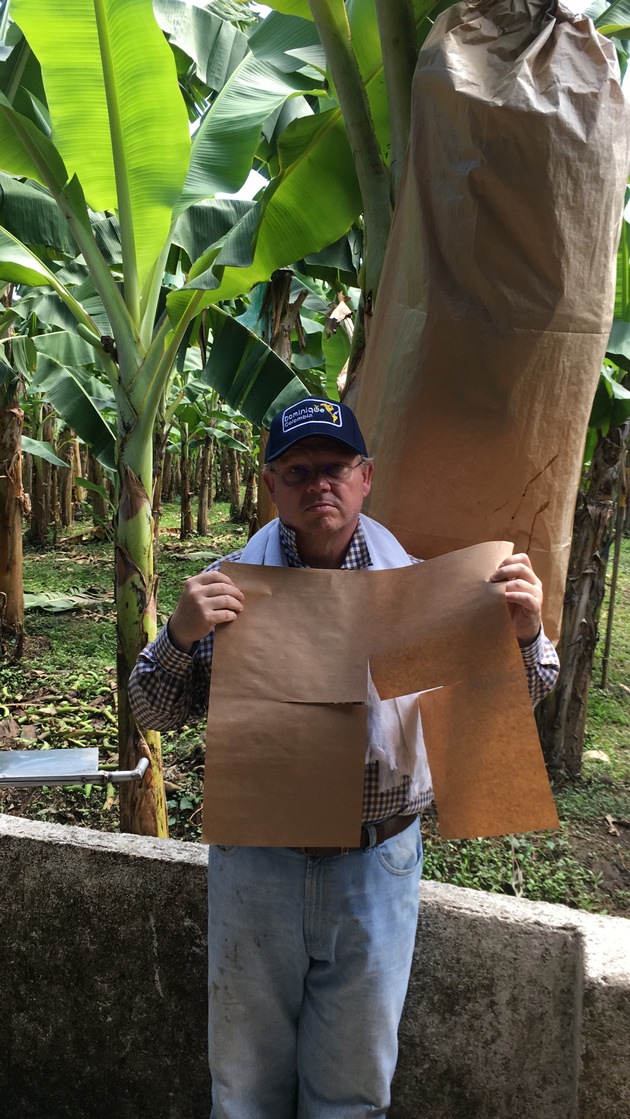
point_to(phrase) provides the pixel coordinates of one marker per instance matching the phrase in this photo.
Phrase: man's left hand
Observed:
(523, 594)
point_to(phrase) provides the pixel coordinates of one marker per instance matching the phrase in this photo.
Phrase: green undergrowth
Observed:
(63, 693)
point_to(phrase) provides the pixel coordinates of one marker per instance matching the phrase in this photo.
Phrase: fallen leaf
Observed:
(597, 755)
(9, 728)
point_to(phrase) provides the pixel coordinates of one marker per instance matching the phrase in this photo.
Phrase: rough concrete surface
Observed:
(103, 943)
(516, 1010)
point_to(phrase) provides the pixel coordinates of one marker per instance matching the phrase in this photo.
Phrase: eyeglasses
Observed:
(300, 475)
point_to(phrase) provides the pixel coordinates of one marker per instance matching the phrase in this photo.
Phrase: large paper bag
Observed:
(496, 298)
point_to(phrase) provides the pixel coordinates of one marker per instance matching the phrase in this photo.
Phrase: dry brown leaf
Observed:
(9, 728)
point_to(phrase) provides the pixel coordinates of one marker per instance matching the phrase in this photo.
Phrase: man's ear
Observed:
(368, 470)
(269, 479)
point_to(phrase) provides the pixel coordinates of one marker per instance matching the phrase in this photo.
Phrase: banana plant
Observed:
(103, 129)
(113, 138)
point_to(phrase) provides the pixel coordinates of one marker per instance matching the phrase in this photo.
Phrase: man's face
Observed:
(319, 505)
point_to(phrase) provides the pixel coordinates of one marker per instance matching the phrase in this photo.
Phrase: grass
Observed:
(63, 693)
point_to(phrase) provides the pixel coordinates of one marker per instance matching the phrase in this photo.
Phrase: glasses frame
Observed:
(315, 472)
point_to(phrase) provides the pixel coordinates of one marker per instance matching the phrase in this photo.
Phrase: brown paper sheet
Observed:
(496, 298)
(286, 740)
(270, 784)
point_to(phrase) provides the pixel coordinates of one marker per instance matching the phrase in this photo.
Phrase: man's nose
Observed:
(318, 479)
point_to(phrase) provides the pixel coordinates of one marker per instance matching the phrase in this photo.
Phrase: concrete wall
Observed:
(515, 1010)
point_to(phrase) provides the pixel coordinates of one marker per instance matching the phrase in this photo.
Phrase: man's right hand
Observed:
(206, 600)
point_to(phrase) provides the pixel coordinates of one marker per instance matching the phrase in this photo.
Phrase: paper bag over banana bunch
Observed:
(496, 299)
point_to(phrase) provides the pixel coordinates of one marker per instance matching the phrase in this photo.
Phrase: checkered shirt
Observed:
(168, 688)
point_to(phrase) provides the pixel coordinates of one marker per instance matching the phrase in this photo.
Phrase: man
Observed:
(310, 950)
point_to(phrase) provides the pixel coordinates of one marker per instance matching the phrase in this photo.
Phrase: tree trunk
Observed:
(96, 475)
(80, 469)
(561, 717)
(41, 490)
(222, 492)
(205, 485)
(159, 479)
(12, 504)
(66, 444)
(167, 475)
(280, 319)
(27, 479)
(54, 503)
(185, 513)
(176, 477)
(142, 804)
(234, 483)
(248, 508)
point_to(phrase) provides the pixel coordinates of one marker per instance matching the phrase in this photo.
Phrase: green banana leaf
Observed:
(213, 44)
(206, 223)
(62, 602)
(288, 42)
(25, 150)
(615, 20)
(41, 449)
(67, 348)
(226, 141)
(30, 213)
(113, 109)
(73, 394)
(295, 219)
(246, 373)
(618, 348)
(292, 8)
(18, 265)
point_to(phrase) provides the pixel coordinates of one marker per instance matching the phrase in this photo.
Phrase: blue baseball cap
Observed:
(314, 416)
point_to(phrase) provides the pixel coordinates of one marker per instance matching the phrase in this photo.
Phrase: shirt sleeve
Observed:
(168, 688)
(541, 667)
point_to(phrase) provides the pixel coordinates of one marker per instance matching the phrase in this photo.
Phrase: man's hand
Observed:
(523, 594)
(206, 600)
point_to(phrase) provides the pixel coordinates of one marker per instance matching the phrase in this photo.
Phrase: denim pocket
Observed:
(402, 854)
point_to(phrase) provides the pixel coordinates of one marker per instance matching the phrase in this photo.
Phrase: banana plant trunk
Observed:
(42, 506)
(205, 485)
(100, 515)
(11, 507)
(160, 478)
(234, 482)
(186, 517)
(249, 497)
(66, 450)
(281, 319)
(142, 804)
(561, 717)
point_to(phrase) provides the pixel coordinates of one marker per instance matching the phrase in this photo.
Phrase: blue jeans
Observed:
(309, 962)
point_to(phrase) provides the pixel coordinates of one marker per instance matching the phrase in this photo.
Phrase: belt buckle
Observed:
(309, 852)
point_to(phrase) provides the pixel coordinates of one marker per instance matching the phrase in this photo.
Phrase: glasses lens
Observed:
(337, 471)
(298, 474)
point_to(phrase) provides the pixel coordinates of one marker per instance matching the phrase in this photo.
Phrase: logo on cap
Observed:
(316, 411)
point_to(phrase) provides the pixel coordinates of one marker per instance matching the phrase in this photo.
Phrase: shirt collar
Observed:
(356, 559)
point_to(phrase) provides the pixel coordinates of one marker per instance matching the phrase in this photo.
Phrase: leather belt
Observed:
(385, 829)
